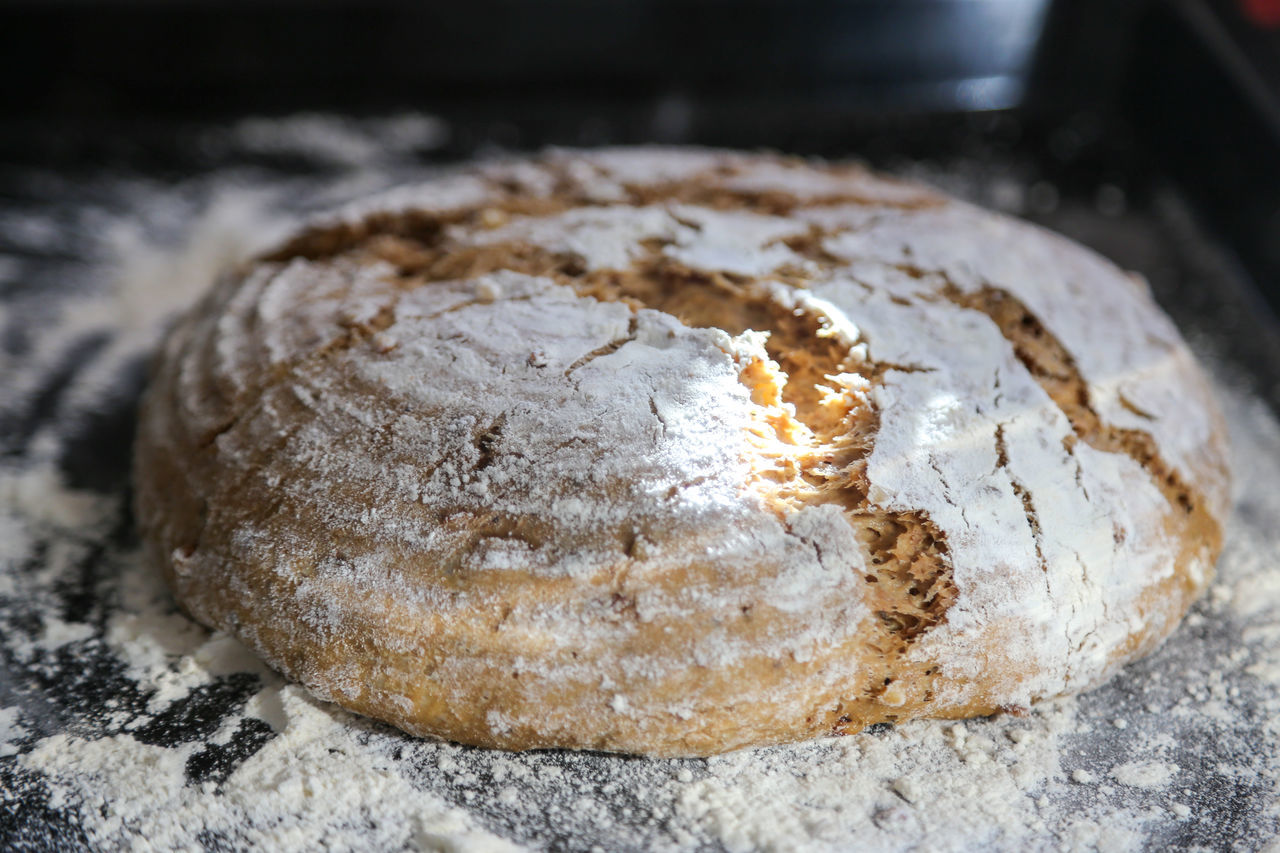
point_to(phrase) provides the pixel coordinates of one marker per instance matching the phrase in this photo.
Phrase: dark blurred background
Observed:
(1197, 80)
(1082, 96)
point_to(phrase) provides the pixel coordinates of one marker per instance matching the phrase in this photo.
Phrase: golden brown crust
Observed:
(649, 528)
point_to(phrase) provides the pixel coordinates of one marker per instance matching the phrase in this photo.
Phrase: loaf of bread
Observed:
(672, 451)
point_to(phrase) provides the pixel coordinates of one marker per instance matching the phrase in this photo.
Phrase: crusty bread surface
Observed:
(675, 451)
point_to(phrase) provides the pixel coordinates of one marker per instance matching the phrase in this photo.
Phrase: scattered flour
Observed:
(1155, 774)
(11, 732)
(306, 788)
(194, 745)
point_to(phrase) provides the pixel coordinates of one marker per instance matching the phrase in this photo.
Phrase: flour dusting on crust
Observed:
(687, 451)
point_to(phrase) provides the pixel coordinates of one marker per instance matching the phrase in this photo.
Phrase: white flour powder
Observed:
(195, 745)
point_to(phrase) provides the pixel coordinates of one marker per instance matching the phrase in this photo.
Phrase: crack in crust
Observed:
(816, 428)
(1028, 506)
(1053, 367)
(601, 351)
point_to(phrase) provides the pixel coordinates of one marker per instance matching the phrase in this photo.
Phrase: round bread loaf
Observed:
(676, 451)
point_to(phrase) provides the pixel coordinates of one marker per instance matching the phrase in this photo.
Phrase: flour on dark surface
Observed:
(123, 723)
